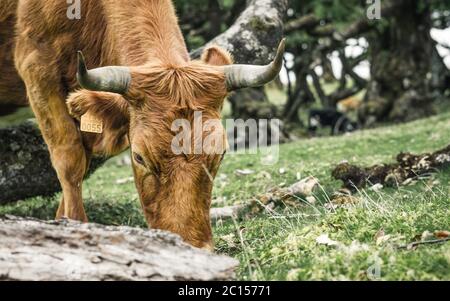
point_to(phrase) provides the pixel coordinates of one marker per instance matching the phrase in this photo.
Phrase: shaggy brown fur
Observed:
(175, 191)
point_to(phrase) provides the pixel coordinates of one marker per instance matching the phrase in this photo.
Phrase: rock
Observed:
(125, 181)
(33, 250)
(304, 187)
(377, 187)
(244, 172)
(25, 167)
(312, 200)
(324, 239)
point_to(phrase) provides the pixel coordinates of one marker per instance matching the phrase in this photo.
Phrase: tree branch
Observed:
(364, 24)
(303, 23)
(254, 37)
(358, 27)
(360, 82)
(316, 82)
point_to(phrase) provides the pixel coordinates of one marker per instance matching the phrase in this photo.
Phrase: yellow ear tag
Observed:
(91, 124)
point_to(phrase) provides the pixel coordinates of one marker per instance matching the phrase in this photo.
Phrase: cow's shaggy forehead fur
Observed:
(195, 85)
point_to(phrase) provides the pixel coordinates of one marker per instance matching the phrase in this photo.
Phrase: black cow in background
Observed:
(337, 121)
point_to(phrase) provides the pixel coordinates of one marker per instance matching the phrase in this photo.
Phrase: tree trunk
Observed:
(302, 95)
(400, 88)
(253, 39)
(328, 74)
(215, 19)
(252, 103)
(33, 250)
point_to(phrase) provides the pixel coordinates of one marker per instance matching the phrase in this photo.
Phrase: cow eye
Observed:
(138, 158)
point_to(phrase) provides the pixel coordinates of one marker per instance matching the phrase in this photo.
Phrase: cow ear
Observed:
(112, 110)
(216, 56)
(107, 106)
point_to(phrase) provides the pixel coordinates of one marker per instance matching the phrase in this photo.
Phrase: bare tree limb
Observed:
(365, 24)
(306, 22)
(342, 92)
(358, 27)
(360, 82)
(323, 31)
(316, 82)
(338, 95)
(255, 35)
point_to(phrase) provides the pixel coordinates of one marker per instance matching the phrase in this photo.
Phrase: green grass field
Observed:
(282, 245)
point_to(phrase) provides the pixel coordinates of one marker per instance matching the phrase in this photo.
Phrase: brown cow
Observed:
(136, 104)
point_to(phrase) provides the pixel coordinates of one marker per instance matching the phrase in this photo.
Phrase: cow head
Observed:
(175, 187)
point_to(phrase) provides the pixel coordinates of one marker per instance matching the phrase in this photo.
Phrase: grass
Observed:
(282, 245)
(16, 118)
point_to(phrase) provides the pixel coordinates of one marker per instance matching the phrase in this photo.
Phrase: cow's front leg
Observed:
(68, 155)
(71, 184)
(64, 141)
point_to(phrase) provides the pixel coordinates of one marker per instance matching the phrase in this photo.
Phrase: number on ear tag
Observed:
(91, 124)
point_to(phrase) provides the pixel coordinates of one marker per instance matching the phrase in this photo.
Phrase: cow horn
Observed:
(112, 79)
(251, 76)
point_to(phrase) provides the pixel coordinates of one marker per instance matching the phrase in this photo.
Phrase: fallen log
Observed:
(33, 250)
(408, 166)
(25, 167)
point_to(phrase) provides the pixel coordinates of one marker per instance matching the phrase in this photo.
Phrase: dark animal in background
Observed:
(337, 121)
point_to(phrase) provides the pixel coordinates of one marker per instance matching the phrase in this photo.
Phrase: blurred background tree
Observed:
(329, 43)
